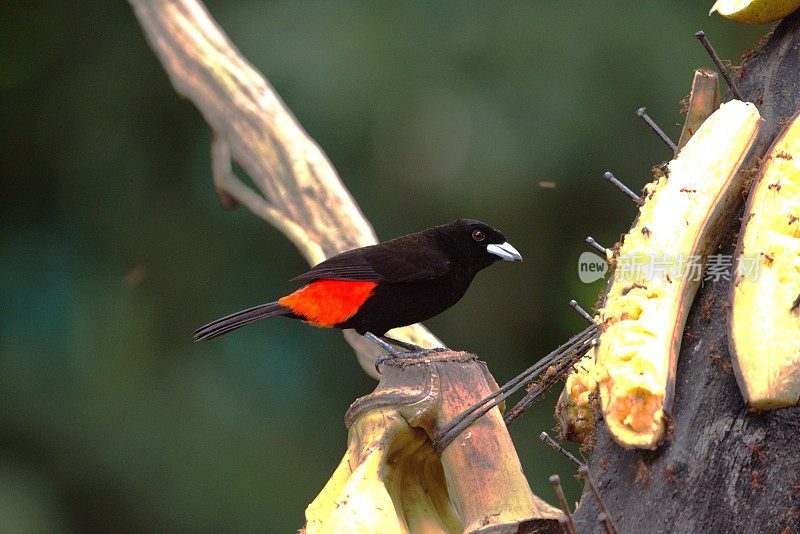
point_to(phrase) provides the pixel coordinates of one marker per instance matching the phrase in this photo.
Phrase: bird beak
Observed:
(504, 251)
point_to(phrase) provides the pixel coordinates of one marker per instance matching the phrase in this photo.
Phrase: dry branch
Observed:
(299, 191)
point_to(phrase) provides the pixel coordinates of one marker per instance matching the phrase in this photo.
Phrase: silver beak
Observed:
(504, 251)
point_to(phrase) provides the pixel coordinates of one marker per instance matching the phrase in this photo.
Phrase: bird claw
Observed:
(397, 354)
(393, 353)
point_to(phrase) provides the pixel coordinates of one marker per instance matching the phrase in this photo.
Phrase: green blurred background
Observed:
(113, 247)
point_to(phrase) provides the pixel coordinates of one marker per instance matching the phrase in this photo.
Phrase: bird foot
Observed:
(390, 345)
(396, 354)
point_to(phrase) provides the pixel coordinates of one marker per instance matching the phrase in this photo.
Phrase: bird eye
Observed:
(477, 235)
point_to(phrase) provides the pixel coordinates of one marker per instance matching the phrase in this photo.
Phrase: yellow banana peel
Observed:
(755, 11)
(658, 272)
(388, 481)
(765, 293)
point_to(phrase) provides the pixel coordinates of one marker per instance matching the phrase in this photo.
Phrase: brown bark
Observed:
(722, 468)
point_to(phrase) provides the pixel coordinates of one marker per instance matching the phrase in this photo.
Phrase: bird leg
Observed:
(390, 345)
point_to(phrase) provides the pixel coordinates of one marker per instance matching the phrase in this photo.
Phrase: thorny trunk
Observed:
(722, 468)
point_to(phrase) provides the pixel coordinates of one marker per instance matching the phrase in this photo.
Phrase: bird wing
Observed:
(405, 260)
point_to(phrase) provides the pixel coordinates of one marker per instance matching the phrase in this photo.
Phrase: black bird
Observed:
(379, 287)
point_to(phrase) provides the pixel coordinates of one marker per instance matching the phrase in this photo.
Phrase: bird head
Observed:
(480, 243)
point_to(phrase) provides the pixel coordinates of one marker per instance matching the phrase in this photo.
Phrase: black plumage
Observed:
(415, 277)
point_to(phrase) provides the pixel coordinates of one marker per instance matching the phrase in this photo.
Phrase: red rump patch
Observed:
(328, 302)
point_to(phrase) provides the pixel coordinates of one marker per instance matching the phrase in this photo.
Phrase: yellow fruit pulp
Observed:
(658, 271)
(765, 323)
(755, 11)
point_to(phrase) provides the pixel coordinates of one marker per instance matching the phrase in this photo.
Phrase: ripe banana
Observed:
(575, 407)
(658, 270)
(755, 11)
(765, 316)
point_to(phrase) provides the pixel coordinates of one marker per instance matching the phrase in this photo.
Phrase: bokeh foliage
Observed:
(113, 247)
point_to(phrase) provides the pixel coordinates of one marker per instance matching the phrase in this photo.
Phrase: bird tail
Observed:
(239, 319)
